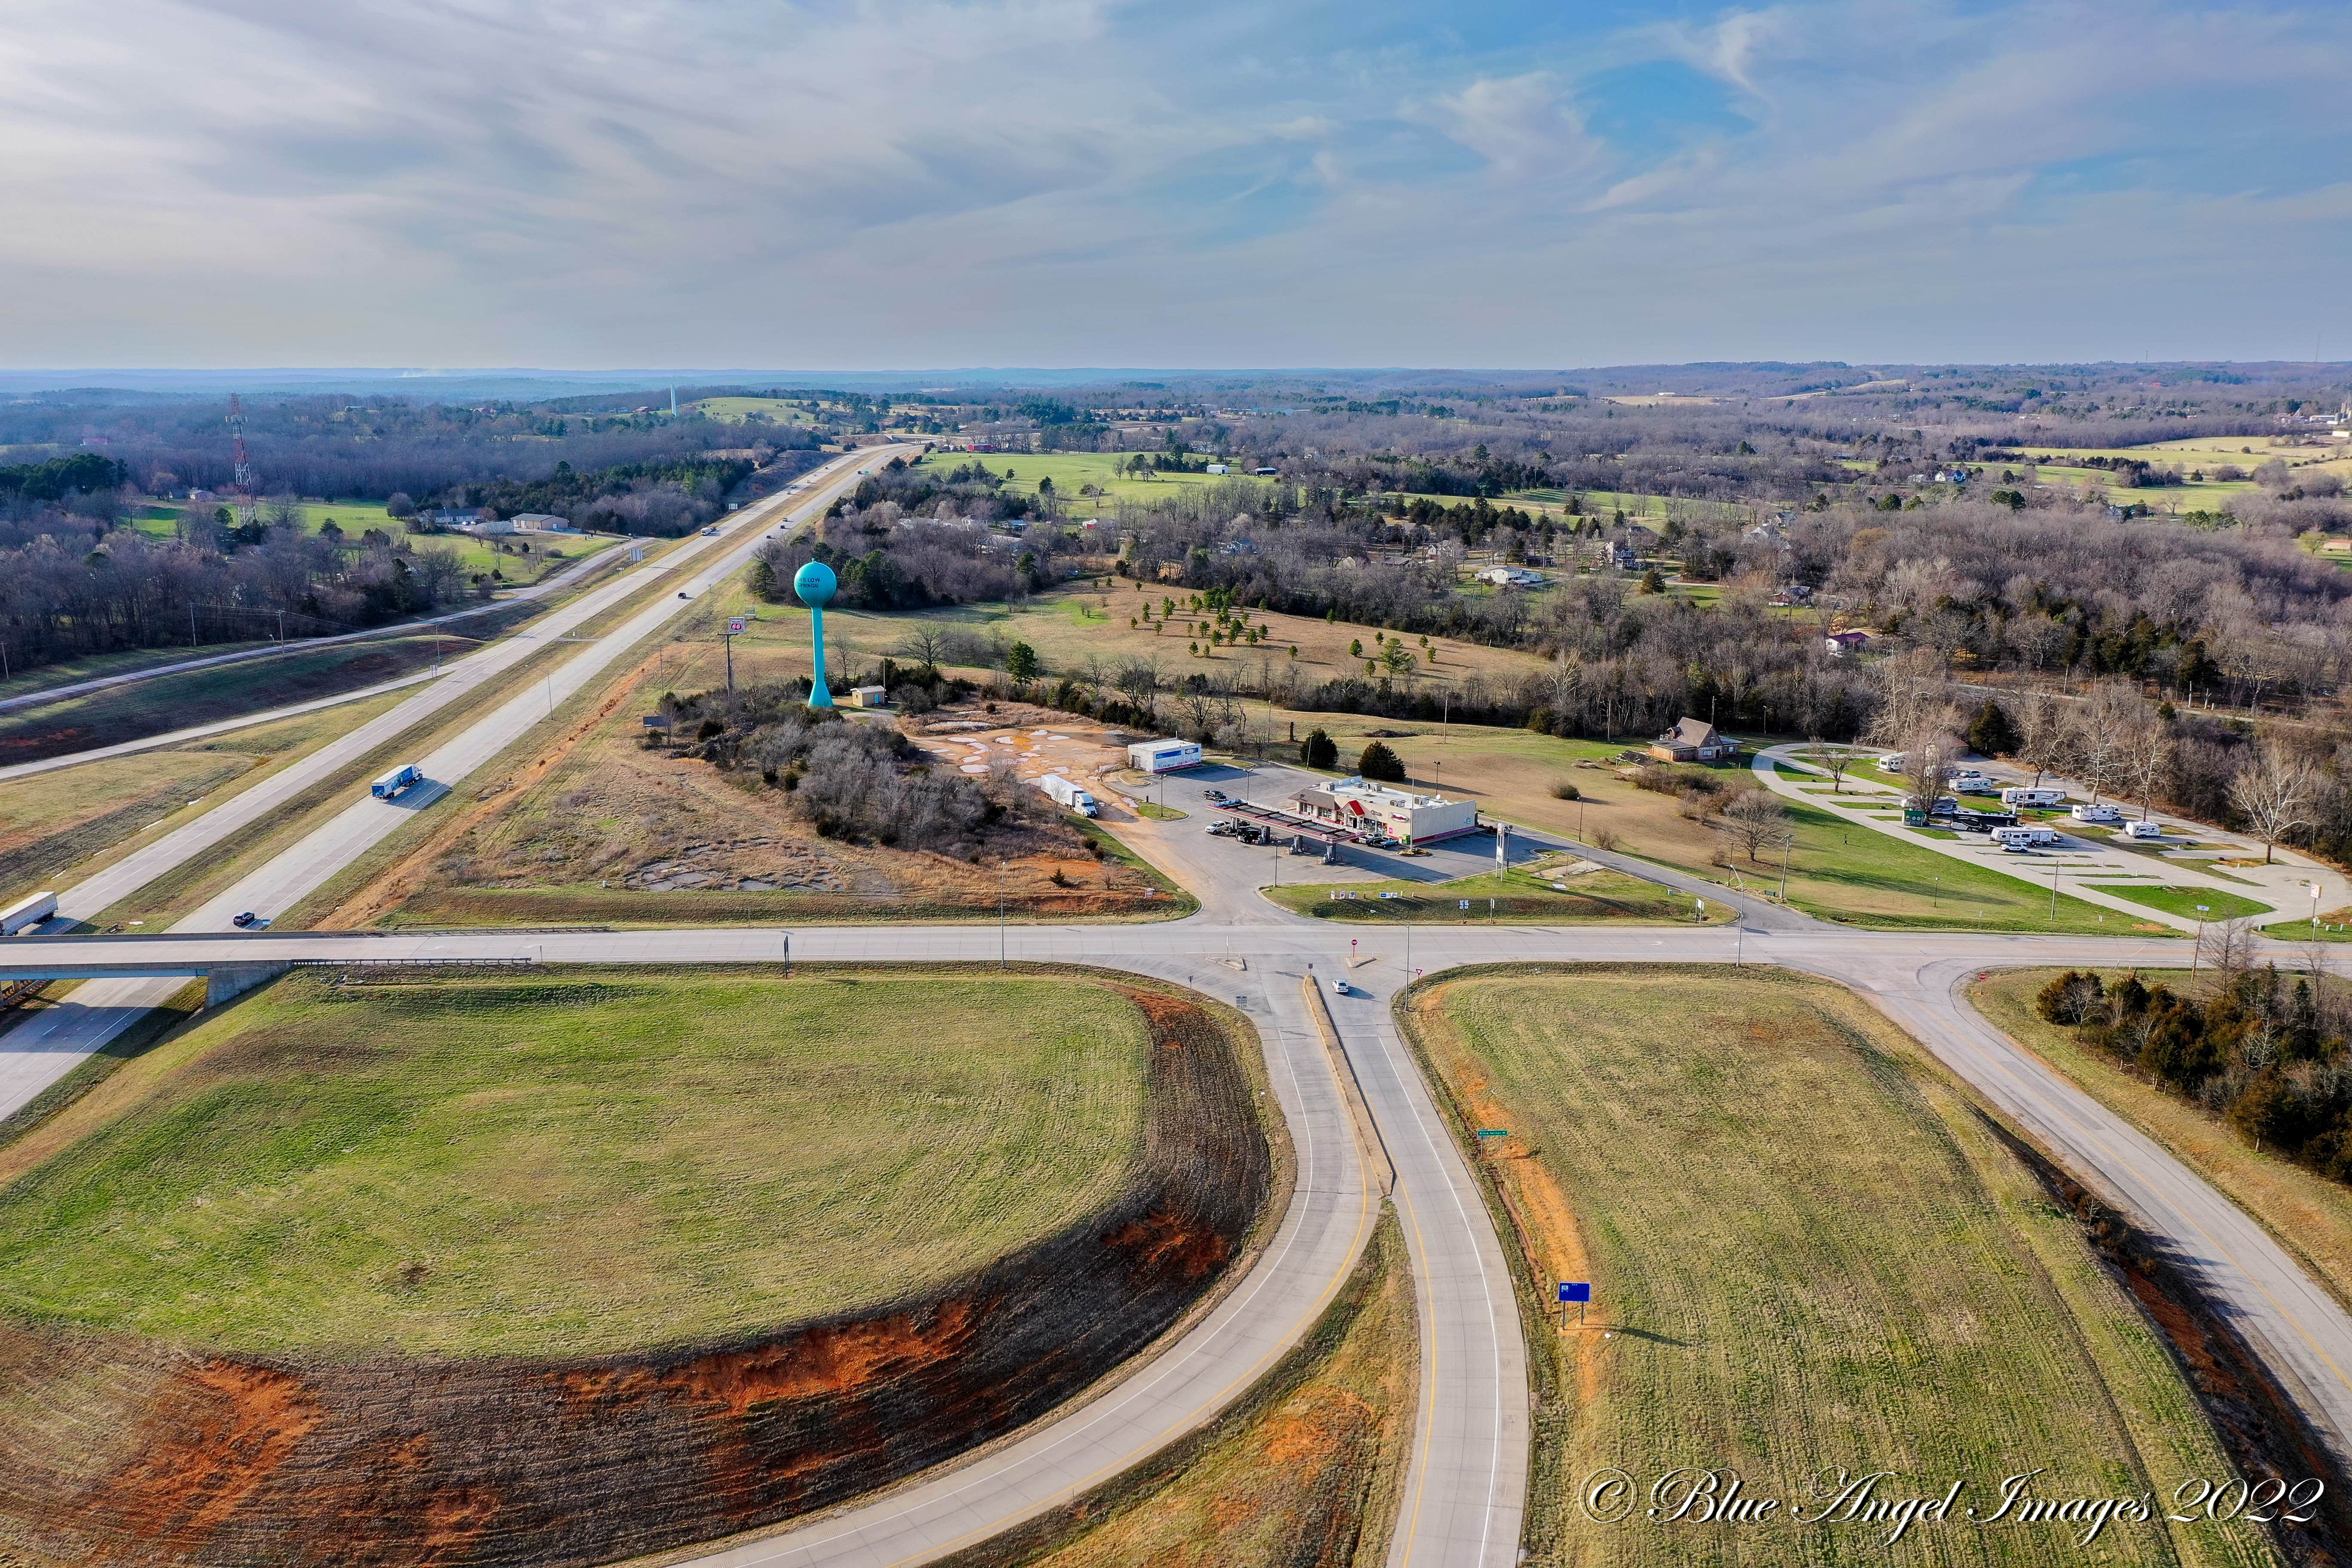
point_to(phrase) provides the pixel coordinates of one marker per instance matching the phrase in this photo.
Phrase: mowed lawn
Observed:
(611, 1159)
(1806, 1252)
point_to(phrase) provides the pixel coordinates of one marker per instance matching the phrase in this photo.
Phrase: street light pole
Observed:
(999, 914)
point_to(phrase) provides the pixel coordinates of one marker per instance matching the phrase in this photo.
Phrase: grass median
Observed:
(1595, 898)
(1807, 1251)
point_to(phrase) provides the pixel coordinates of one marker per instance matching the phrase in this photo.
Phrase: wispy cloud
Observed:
(1096, 180)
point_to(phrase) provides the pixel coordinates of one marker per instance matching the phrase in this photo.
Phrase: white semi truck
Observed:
(27, 913)
(1064, 793)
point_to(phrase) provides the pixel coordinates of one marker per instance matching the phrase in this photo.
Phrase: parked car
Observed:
(1341, 988)
(2144, 829)
(1212, 796)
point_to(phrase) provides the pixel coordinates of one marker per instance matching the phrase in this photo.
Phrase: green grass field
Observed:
(2190, 903)
(523, 559)
(1073, 471)
(1806, 1251)
(1597, 898)
(520, 1165)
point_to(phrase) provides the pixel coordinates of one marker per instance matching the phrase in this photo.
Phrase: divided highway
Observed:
(43, 1049)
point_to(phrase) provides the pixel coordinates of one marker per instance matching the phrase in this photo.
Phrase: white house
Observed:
(1369, 807)
(1511, 578)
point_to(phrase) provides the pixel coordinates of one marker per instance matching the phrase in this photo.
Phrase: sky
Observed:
(758, 182)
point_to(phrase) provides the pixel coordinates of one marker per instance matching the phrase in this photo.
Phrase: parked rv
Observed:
(2030, 836)
(2102, 812)
(2021, 798)
(2145, 829)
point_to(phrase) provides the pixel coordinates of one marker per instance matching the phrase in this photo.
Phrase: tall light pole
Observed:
(1001, 867)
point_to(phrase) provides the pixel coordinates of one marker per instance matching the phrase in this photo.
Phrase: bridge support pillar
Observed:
(228, 981)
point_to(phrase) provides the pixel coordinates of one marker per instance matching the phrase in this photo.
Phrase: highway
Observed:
(1465, 1483)
(542, 589)
(42, 1048)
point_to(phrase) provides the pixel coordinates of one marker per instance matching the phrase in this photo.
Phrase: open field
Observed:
(1847, 1268)
(1300, 1472)
(194, 697)
(1517, 898)
(2306, 1212)
(1072, 472)
(731, 410)
(537, 1165)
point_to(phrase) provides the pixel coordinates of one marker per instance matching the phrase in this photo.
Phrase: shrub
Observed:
(1563, 790)
(1378, 763)
(2072, 998)
(1318, 750)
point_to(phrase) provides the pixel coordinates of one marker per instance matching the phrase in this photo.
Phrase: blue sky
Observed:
(459, 182)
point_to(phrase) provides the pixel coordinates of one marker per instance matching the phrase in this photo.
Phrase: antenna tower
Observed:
(241, 481)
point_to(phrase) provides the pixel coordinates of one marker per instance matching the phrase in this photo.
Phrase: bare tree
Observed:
(1755, 819)
(2274, 795)
(1836, 761)
(927, 643)
(2100, 737)
(1138, 680)
(2145, 757)
(2042, 735)
(1929, 758)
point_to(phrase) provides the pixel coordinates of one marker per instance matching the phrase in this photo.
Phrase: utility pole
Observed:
(1787, 843)
(999, 914)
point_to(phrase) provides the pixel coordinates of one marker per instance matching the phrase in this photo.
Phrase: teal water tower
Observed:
(814, 582)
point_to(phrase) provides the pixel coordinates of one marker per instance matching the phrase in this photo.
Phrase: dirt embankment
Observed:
(130, 1452)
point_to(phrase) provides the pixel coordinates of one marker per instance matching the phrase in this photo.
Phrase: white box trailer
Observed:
(26, 913)
(1064, 793)
(1163, 756)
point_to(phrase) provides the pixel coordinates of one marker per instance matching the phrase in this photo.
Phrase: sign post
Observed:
(1579, 1291)
(734, 630)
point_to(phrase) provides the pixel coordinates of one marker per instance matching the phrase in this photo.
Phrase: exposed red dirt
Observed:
(394, 1460)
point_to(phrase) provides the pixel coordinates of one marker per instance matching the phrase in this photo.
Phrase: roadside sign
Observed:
(1575, 1291)
(1494, 1132)
(734, 625)
(1466, 903)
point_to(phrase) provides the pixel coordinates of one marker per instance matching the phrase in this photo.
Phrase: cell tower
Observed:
(241, 482)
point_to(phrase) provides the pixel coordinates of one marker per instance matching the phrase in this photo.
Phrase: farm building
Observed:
(1849, 641)
(1163, 756)
(868, 697)
(1369, 807)
(1694, 740)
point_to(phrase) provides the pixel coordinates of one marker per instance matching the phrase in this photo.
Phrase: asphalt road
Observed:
(42, 1048)
(1465, 1487)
